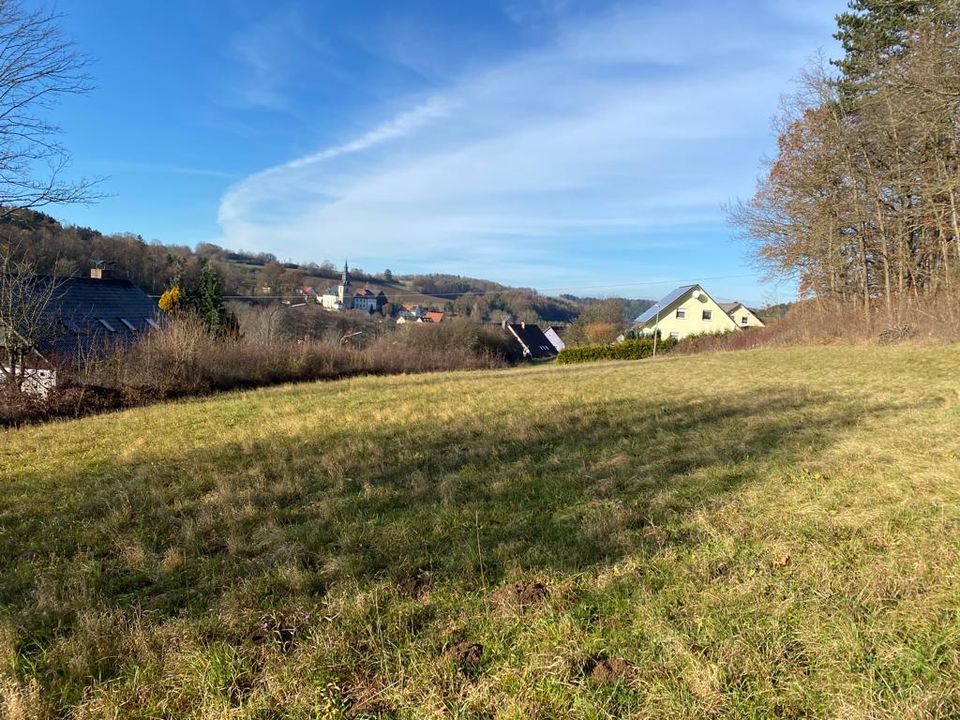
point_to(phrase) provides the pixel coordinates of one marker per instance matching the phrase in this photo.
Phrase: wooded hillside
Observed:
(65, 250)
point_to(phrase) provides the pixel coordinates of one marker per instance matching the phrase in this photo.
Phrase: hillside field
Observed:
(765, 534)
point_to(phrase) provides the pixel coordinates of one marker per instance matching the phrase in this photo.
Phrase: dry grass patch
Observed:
(759, 534)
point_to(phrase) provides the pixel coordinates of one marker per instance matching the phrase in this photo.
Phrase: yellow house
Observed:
(686, 311)
(742, 315)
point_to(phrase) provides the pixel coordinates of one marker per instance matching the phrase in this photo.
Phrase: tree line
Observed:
(65, 251)
(860, 203)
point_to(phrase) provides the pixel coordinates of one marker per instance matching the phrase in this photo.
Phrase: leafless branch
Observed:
(38, 67)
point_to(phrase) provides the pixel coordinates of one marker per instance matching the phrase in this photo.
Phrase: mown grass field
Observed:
(749, 535)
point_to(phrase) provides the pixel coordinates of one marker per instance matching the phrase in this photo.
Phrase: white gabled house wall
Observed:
(555, 339)
(743, 316)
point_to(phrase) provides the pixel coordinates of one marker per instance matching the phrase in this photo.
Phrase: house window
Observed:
(674, 336)
(744, 320)
(681, 313)
(707, 315)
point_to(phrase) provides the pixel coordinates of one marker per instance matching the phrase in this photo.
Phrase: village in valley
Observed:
(686, 311)
(83, 316)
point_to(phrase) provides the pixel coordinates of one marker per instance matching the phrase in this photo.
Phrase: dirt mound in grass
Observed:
(606, 670)
(519, 596)
(417, 585)
(465, 654)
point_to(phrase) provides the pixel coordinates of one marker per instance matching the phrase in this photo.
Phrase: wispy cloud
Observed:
(165, 169)
(628, 130)
(266, 54)
(272, 187)
(403, 124)
(535, 13)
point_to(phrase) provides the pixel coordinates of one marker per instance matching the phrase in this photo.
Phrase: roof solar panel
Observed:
(651, 312)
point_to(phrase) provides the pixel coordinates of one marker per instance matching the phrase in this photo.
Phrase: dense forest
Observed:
(64, 250)
(860, 204)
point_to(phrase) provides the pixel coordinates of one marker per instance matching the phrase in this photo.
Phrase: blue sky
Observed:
(575, 145)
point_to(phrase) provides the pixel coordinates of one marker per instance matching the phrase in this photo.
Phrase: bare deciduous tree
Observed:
(38, 67)
(861, 202)
(25, 317)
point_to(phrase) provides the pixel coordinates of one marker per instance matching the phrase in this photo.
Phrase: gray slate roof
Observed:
(651, 312)
(95, 313)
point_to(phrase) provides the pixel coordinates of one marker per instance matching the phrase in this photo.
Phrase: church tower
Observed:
(344, 293)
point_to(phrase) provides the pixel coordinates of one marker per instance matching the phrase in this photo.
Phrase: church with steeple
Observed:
(342, 296)
(339, 297)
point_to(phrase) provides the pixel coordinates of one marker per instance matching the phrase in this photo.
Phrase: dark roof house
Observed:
(534, 343)
(96, 312)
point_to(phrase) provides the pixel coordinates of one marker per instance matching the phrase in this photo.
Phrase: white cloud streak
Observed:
(630, 129)
(399, 126)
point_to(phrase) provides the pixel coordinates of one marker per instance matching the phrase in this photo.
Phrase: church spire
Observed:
(345, 280)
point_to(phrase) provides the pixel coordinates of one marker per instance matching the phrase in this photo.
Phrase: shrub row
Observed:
(627, 350)
(182, 359)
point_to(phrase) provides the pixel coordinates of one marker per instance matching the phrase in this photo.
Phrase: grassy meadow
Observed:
(766, 534)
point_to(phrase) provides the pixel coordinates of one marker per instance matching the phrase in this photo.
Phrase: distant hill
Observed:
(67, 250)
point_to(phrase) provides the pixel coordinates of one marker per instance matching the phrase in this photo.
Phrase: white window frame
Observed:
(681, 313)
(674, 335)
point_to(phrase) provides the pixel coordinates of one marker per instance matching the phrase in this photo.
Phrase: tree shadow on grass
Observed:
(294, 515)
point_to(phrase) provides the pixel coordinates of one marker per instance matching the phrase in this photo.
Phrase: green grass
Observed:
(768, 534)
